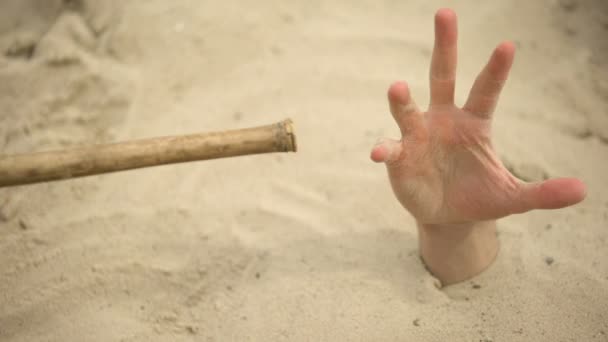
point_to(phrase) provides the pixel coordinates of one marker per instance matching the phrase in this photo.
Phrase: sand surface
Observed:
(292, 247)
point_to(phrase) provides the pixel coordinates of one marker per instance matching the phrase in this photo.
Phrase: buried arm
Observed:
(455, 252)
(445, 172)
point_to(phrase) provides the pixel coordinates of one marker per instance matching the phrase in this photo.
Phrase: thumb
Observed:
(553, 194)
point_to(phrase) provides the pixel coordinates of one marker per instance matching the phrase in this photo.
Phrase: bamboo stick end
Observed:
(287, 136)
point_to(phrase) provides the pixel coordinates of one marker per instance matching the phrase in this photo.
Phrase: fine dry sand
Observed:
(289, 247)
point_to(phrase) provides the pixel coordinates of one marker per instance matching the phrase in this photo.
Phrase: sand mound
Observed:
(60, 84)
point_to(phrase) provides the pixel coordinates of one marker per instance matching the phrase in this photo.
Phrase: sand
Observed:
(289, 247)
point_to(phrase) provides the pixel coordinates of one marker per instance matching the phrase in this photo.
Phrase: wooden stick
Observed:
(97, 159)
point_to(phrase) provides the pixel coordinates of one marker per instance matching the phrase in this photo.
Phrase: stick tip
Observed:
(288, 140)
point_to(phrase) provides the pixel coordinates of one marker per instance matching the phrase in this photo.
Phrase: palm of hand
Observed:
(444, 169)
(448, 172)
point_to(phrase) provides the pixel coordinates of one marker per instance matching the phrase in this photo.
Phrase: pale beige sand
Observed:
(303, 247)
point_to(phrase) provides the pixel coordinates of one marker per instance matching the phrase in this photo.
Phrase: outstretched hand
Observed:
(444, 170)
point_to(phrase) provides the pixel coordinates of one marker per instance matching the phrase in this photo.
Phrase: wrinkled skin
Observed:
(444, 169)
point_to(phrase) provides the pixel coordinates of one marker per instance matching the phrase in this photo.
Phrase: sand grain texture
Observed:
(303, 247)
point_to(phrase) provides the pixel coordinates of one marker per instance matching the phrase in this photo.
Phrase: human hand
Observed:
(444, 170)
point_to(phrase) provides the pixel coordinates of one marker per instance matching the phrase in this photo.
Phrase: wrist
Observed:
(456, 252)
